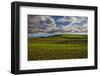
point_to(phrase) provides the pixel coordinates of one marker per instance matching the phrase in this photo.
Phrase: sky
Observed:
(51, 24)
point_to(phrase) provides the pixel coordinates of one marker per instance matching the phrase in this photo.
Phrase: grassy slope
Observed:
(66, 46)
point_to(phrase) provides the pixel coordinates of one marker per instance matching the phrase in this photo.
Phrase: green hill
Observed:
(67, 46)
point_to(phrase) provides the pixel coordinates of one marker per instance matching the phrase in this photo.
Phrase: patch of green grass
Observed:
(66, 46)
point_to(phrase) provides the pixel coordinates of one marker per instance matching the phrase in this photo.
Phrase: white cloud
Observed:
(44, 24)
(76, 24)
(72, 19)
(68, 19)
(38, 24)
(74, 28)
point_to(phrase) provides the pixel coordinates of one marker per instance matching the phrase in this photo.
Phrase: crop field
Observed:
(66, 46)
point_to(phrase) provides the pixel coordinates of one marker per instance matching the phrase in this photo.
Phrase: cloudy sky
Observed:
(46, 24)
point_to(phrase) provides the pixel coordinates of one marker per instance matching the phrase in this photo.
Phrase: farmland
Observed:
(66, 46)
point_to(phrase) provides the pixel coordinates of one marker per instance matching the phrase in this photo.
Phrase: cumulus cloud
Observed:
(37, 24)
(45, 24)
(76, 24)
(72, 19)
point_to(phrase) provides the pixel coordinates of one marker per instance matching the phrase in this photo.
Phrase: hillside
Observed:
(67, 46)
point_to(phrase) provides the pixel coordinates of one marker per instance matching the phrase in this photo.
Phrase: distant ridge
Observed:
(43, 35)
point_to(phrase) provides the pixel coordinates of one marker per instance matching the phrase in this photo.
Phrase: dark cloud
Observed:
(37, 24)
(45, 24)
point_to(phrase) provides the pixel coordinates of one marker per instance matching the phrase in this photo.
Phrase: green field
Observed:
(67, 46)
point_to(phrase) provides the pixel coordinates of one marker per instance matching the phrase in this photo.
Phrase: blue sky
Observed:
(65, 23)
(44, 23)
(59, 23)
